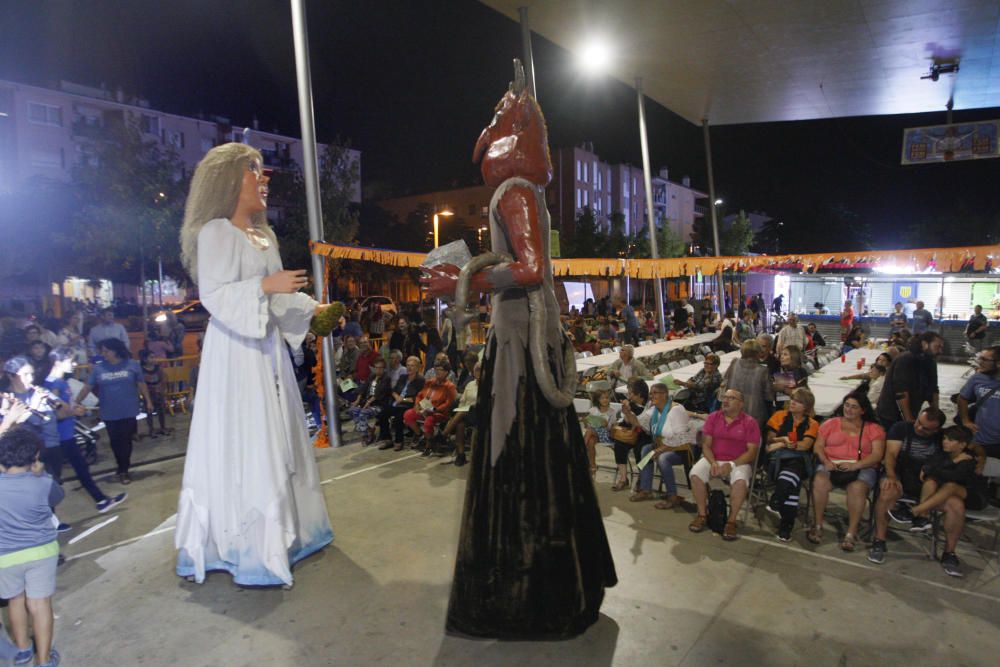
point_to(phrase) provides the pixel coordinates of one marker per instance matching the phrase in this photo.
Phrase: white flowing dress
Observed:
(251, 502)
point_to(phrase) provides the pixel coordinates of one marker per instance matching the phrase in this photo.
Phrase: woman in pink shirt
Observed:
(850, 448)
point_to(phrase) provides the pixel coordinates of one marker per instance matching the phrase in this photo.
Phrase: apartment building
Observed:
(581, 179)
(45, 132)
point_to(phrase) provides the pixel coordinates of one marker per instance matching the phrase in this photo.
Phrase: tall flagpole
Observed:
(310, 170)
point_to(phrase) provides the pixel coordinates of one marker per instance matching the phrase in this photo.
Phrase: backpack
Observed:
(718, 511)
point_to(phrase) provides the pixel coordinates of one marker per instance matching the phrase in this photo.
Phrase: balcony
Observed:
(88, 128)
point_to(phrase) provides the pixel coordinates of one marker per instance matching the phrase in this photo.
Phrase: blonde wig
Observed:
(215, 192)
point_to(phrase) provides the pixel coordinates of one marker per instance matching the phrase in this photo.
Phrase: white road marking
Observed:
(93, 529)
(378, 465)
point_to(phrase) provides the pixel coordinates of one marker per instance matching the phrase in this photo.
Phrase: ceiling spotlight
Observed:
(595, 56)
(937, 69)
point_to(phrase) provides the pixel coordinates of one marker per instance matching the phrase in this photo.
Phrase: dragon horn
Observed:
(518, 84)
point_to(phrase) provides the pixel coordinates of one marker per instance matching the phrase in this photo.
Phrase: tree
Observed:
(586, 239)
(339, 176)
(738, 238)
(34, 245)
(668, 243)
(131, 196)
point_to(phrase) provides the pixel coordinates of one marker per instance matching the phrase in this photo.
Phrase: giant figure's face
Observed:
(515, 143)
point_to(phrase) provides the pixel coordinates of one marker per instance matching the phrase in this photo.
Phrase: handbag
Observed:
(624, 434)
(844, 477)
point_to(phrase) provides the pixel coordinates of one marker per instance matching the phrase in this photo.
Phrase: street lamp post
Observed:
(647, 179)
(437, 302)
(715, 204)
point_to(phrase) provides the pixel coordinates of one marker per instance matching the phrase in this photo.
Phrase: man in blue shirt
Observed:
(631, 322)
(983, 389)
(922, 319)
(63, 360)
(897, 320)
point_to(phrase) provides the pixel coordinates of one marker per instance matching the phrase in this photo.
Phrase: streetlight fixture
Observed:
(446, 213)
(718, 202)
(594, 57)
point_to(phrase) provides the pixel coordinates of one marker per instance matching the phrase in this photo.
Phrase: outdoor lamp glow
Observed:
(718, 202)
(594, 57)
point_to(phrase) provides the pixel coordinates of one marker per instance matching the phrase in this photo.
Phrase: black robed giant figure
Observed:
(533, 558)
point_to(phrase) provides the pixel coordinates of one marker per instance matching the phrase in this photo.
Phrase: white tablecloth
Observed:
(608, 358)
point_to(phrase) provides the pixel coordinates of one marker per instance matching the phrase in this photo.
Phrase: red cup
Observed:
(861, 362)
(843, 358)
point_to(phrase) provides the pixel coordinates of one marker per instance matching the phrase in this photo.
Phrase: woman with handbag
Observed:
(627, 435)
(849, 447)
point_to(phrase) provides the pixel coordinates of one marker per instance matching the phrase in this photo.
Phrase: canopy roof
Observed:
(781, 60)
(944, 260)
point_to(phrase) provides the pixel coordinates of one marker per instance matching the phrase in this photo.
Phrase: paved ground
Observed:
(378, 595)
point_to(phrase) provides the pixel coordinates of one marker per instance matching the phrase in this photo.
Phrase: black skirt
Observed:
(533, 558)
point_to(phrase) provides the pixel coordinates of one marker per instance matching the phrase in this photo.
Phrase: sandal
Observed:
(849, 542)
(640, 496)
(815, 535)
(620, 485)
(698, 524)
(729, 532)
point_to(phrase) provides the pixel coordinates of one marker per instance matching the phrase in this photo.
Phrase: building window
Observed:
(207, 143)
(150, 124)
(579, 171)
(44, 114)
(48, 158)
(484, 212)
(585, 175)
(625, 188)
(586, 197)
(579, 198)
(633, 184)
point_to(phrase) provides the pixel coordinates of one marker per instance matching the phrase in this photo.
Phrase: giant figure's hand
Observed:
(439, 281)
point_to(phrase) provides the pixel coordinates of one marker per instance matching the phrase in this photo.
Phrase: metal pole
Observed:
(529, 62)
(715, 216)
(648, 183)
(310, 170)
(159, 263)
(437, 302)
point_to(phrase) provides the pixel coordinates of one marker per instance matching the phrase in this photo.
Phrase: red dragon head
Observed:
(515, 143)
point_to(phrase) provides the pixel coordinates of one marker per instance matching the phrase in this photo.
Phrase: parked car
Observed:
(193, 316)
(387, 304)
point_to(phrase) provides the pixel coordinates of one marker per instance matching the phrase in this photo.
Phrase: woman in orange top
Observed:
(440, 393)
(790, 437)
(846, 320)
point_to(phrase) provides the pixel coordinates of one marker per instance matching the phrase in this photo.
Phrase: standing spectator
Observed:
(117, 381)
(791, 434)
(791, 334)
(376, 322)
(403, 396)
(63, 362)
(846, 320)
(374, 397)
(983, 390)
(897, 319)
(671, 432)
(29, 550)
(911, 381)
(752, 380)
(922, 319)
(38, 354)
(627, 314)
(431, 405)
(849, 450)
(975, 330)
(106, 328)
(730, 440)
(725, 341)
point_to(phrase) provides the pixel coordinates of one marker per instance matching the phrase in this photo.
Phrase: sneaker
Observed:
(386, 445)
(951, 565)
(460, 460)
(877, 553)
(773, 507)
(23, 657)
(785, 533)
(63, 528)
(108, 503)
(920, 524)
(54, 659)
(426, 452)
(901, 513)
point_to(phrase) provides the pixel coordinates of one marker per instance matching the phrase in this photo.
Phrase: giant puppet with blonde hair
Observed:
(533, 557)
(251, 502)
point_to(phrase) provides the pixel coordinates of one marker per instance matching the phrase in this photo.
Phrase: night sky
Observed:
(412, 83)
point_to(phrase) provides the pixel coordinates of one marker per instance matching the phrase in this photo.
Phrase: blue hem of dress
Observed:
(262, 577)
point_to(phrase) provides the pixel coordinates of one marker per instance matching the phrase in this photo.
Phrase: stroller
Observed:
(86, 440)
